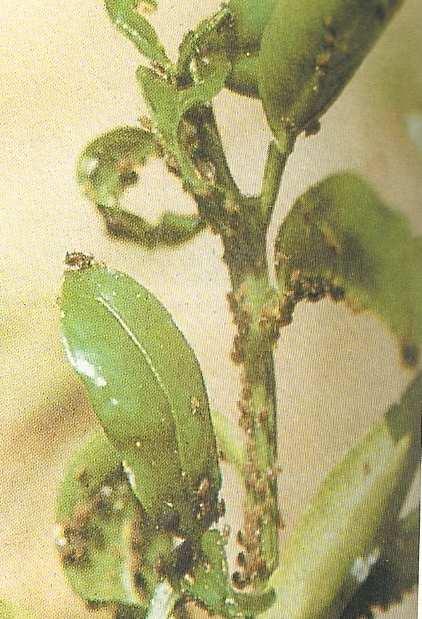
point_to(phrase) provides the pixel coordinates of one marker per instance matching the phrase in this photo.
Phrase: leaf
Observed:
(341, 535)
(209, 583)
(97, 517)
(394, 575)
(146, 387)
(169, 104)
(108, 166)
(126, 16)
(11, 611)
(340, 239)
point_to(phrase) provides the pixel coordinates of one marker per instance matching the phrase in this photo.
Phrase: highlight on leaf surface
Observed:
(110, 165)
(340, 239)
(394, 575)
(146, 387)
(344, 530)
(310, 50)
(98, 521)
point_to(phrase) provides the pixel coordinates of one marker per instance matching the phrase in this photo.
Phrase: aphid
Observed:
(77, 260)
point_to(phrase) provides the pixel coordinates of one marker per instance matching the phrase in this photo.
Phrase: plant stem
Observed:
(274, 168)
(257, 314)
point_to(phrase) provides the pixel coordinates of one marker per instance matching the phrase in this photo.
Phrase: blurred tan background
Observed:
(66, 75)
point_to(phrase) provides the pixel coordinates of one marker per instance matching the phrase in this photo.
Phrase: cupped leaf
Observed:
(126, 16)
(169, 104)
(342, 534)
(249, 20)
(340, 239)
(209, 583)
(98, 518)
(12, 611)
(146, 387)
(108, 166)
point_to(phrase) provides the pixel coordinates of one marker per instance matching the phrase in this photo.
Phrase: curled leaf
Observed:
(108, 167)
(340, 239)
(146, 387)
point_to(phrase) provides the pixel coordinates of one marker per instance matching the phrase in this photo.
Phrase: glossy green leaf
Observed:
(12, 611)
(340, 239)
(126, 16)
(108, 167)
(169, 104)
(146, 387)
(310, 49)
(209, 583)
(340, 536)
(394, 575)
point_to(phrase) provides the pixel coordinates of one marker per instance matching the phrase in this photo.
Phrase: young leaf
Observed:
(209, 583)
(168, 106)
(146, 387)
(11, 611)
(126, 16)
(97, 517)
(107, 167)
(342, 533)
(339, 238)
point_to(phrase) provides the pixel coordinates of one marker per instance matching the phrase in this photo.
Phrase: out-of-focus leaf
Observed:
(340, 239)
(342, 533)
(108, 166)
(12, 611)
(209, 583)
(126, 16)
(97, 517)
(395, 574)
(169, 104)
(146, 387)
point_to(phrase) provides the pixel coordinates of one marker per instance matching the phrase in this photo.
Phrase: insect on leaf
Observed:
(98, 517)
(146, 387)
(168, 105)
(340, 239)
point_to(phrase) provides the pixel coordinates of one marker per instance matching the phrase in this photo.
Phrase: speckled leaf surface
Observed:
(97, 516)
(341, 239)
(145, 385)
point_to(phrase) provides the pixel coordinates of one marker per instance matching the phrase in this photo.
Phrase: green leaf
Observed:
(146, 387)
(108, 166)
(310, 49)
(340, 239)
(97, 517)
(126, 16)
(11, 611)
(169, 104)
(342, 533)
(209, 583)
(395, 574)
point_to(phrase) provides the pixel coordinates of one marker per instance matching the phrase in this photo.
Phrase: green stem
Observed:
(273, 172)
(228, 443)
(256, 310)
